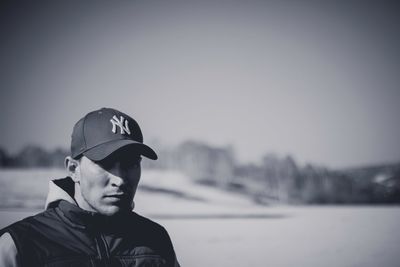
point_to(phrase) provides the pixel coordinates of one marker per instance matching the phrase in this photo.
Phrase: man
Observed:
(88, 219)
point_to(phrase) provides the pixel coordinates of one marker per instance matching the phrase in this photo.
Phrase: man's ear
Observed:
(71, 165)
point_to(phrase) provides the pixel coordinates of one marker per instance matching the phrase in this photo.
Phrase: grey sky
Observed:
(318, 81)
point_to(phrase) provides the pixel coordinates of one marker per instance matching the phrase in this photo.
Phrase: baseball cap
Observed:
(104, 131)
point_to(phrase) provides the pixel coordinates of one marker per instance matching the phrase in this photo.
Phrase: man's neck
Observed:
(80, 200)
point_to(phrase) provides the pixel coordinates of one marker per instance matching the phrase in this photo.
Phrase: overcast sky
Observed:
(315, 80)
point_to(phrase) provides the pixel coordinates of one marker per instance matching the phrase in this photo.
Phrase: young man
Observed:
(88, 219)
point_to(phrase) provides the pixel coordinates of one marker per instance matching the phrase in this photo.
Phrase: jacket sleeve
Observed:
(8, 251)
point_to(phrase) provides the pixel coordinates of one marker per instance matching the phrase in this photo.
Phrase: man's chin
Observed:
(114, 210)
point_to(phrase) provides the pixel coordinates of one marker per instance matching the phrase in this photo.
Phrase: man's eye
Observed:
(106, 164)
(110, 163)
(136, 163)
(130, 163)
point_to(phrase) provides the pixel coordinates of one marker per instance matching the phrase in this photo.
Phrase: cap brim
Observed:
(100, 152)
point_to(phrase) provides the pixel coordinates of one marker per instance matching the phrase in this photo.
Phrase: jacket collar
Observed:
(60, 189)
(61, 192)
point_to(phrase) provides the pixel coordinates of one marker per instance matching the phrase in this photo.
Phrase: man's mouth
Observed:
(117, 197)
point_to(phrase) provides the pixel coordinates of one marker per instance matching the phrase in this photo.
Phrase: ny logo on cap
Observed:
(122, 123)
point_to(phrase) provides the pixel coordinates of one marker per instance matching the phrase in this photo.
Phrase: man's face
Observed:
(108, 186)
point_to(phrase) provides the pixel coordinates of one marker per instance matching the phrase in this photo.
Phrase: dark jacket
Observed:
(66, 235)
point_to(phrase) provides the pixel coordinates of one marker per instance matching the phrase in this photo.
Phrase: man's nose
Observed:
(117, 181)
(118, 176)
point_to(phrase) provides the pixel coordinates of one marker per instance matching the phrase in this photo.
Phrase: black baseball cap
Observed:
(104, 131)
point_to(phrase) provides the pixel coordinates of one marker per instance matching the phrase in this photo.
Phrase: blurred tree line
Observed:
(32, 156)
(274, 179)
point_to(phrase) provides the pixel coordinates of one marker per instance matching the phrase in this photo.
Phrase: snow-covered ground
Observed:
(210, 227)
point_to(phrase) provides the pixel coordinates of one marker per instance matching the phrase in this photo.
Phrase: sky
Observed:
(318, 80)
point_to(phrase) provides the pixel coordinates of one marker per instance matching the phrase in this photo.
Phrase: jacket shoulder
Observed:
(26, 223)
(16, 238)
(148, 227)
(146, 222)
(151, 233)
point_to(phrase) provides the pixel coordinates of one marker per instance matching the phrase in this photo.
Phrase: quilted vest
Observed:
(66, 235)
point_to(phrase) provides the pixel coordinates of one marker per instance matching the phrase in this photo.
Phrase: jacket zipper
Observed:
(102, 250)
